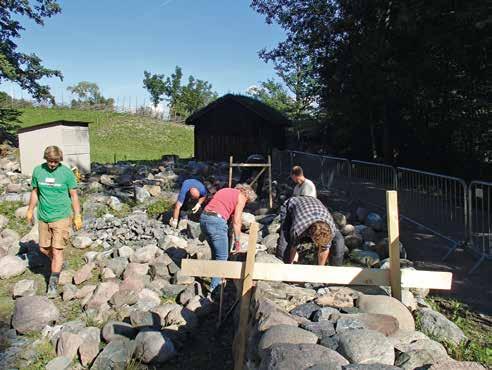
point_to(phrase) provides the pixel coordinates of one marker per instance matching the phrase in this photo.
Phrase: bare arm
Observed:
(238, 212)
(75, 201)
(201, 200)
(33, 200)
(177, 209)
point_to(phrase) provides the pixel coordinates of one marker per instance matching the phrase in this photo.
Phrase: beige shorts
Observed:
(54, 234)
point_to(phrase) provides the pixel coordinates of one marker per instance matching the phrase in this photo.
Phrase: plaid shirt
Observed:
(303, 212)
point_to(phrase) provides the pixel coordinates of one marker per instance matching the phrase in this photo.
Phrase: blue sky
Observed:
(112, 42)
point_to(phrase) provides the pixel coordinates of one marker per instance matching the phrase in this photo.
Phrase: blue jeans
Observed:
(216, 231)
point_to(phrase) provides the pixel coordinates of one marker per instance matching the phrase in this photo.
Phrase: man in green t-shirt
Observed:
(54, 190)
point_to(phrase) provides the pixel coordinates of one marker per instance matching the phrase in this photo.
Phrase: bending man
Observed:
(192, 191)
(54, 190)
(306, 217)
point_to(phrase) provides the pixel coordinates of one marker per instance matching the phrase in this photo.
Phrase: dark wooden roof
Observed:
(263, 110)
(52, 124)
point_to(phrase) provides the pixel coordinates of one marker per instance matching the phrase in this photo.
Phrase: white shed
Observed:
(71, 137)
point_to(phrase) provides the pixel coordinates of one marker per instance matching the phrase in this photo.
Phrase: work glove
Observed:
(77, 222)
(173, 223)
(196, 208)
(29, 216)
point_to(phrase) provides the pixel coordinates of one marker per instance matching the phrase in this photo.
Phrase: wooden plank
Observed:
(250, 165)
(394, 243)
(257, 176)
(318, 274)
(247, 277)
(230, 171)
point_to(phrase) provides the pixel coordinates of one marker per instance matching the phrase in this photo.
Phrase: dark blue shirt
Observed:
(187, 185)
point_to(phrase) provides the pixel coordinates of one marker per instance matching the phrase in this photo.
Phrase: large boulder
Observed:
(116, 355)
(366, 346)
(285, 334)
(288, 356)
(386, 305)
(33, 313)
(436, 324)
(153, 347)
(11, 266)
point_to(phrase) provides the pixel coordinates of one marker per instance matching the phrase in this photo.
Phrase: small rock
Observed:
(117, 265)
(366, 346)
(68, 345)
(154, 347)
(435, 323)
(347, 230)
(124, 297)
(32, 314)
(59, 363)
(141, 195)
(107, 274)
(154, 190)
(353, 241)
(85, 291)
(84, 273)
(382, 249)
(66, 277)
(340, 219)
(81, 241)
(305, 310)
(201, 306)
(125, 251)
(322, 329)
(144, 255)
(24, 288)
(366, 258)
(114, 330)
(102, 294)
(247, 219)
(114, 203)
(11, 266)
(180, 278)
(194, 230)
(457, 365)
(385, 324)
(89, 349)
(136, 269)
(116, 355)
(147, 300)
(324, 313)
(338, 297)
(69, 292)
(145, 319)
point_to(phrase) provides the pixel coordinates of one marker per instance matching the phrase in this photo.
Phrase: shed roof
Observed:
(258, 107)
(52, 124)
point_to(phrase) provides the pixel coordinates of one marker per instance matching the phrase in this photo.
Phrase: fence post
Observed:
(394, 243)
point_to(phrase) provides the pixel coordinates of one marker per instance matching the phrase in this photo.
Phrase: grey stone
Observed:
(366, 258)
(154, 347)
(366, 346)
(25, 287)
(340, 219)
(115, 356)
(89, 349)
(305, 310)
(68, 344)
(66, 277)
(402, 338)
(11, 266)
(32, 314)
(114, 203)
(285, 334)
(268, 314)
(329, 342)
(117, 329)
(385, 324)
(201, 306)
(387, 306)
(140, 319)
(270, 242)
(136, 269)
(69, 292)
(457, 365)
(194, 230)
(374, 221)
(147, 300)
(347, 230)
(3, 221)
(125, 251)
(369, 367)
(353, 241)
(189, 293)
(124, 297)
(247, 219)
(85, 291)
(322, 329)
(288, 356)
(418, 359)
(182, 317)
(84, 273)
(102, 294)
(141, 194)
(180, 278)
(81, 241)
(436, 324)
(267, 258)
(324, 313)
(59, 363)
(144, 255)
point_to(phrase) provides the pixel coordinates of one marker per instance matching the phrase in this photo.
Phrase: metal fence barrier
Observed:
(443, 205)
(435, 202)
(370, 182)
(480, 220)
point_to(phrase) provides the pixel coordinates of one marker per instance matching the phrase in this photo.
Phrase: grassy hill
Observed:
(125, 136)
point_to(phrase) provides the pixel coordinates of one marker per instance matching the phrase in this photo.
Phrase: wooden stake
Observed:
(247, 276)
(270, 200)
(394, 243)
(230, 171)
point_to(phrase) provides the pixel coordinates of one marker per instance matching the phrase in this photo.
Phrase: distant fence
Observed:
(445, 206)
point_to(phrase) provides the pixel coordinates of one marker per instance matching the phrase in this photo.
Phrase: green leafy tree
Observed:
(174, 90)
(156, 87)
(25, 70)
(89, 95)
(275, 95)
(195, 95)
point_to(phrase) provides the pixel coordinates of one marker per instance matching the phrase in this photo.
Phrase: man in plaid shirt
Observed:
(306, 217)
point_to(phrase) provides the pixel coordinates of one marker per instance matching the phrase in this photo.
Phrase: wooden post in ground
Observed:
(230, 171)
(247, 278)
(270, 200)
(394, 243)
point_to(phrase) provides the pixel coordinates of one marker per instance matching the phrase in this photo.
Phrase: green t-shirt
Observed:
(54, 202)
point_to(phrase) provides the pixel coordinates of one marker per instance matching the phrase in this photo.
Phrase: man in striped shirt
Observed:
(305, 217)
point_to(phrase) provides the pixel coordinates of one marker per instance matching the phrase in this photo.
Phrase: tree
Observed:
(195, 95)
(25, 70)
(274, 94)
(89, 95)
(174, 90)
(156, 86)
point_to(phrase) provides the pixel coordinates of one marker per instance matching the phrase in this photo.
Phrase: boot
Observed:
(52, 291)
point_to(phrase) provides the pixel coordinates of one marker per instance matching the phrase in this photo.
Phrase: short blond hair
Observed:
(321, 234)
(248, 192)
(53, 153)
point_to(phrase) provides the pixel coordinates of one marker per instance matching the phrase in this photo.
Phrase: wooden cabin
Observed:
(237, 125)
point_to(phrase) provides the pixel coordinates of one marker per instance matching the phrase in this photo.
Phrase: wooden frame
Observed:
(264, 167)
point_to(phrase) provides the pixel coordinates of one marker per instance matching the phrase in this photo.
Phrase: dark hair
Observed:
(297, 171)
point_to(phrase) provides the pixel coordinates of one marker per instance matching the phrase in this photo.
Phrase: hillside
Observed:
(125, 136)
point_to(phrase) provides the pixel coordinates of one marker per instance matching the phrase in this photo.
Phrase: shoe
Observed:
(52, 291)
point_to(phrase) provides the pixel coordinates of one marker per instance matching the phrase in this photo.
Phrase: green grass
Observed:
(124, 136)
(479, 346)
(159, 207)
(20, 225)
(45, 353)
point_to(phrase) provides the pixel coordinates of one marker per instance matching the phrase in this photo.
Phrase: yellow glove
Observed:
(77, 222)
(29, 216)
